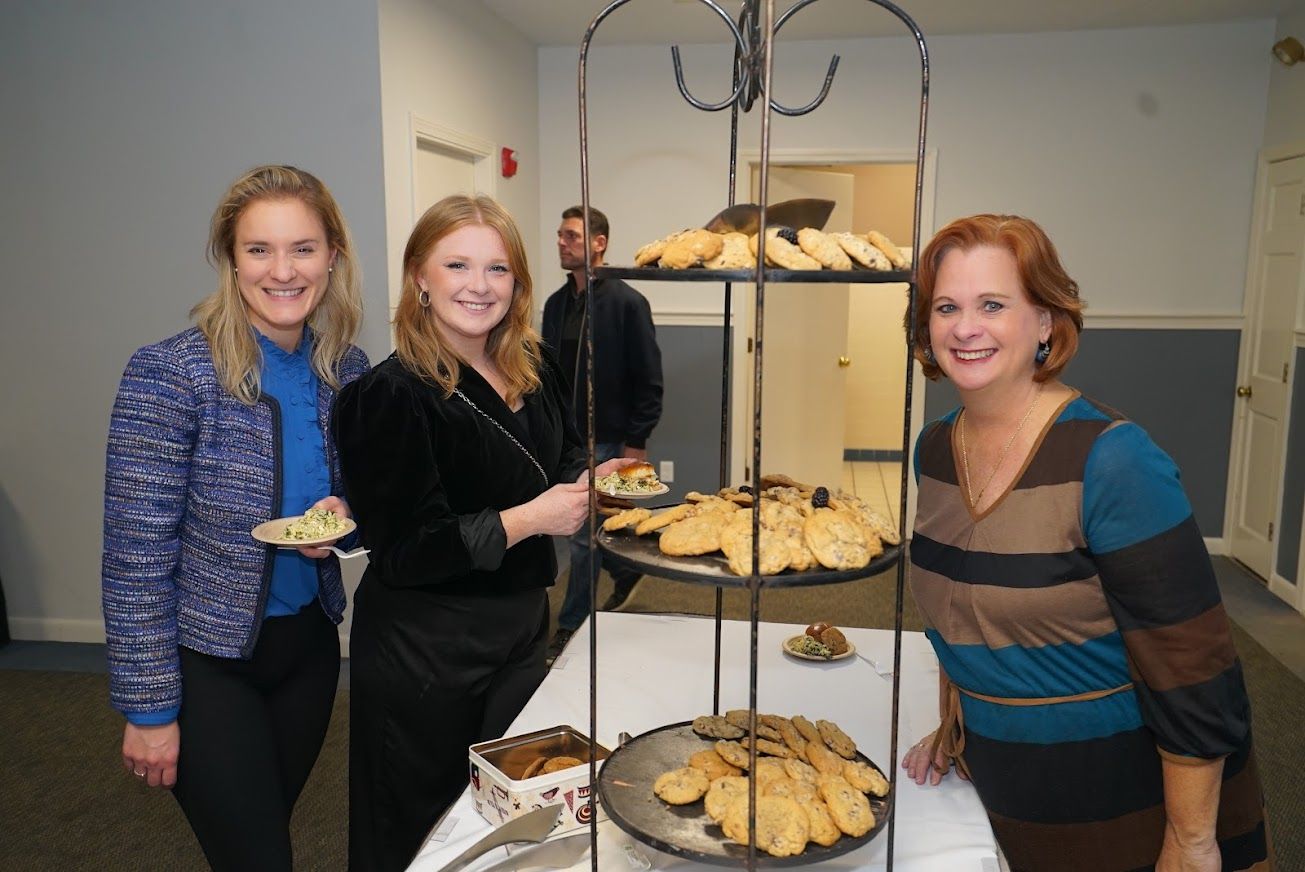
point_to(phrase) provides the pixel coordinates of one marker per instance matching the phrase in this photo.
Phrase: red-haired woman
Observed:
(1090, 688)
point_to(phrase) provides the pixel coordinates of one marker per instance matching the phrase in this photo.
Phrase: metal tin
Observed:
(499, 792)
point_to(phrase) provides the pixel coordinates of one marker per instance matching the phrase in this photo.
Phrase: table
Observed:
(657, 669)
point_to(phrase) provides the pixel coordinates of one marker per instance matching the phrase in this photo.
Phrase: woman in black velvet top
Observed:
(459, 462)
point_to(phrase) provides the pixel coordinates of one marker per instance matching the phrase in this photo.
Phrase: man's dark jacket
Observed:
(627, 361)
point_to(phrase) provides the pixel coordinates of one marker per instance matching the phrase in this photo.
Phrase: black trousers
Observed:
(251, 731)
(429, 674)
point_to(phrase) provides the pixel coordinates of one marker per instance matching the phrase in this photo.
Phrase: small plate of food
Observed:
(820, 642)
(314, 527)
(634, 481)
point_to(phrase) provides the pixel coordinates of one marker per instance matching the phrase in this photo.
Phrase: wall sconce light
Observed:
(1289, 50)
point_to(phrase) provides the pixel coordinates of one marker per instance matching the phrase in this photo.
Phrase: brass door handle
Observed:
(844, 361)
(1243, 390)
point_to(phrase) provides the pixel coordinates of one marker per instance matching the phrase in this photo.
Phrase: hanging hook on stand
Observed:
(829, 75)
(741, 48)
(749, 50)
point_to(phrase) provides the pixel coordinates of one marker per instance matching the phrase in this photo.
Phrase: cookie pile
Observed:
(802, 527)
(786, 248)
(810, 786)
(546, 765)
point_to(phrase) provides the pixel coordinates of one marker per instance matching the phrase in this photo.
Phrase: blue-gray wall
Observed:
(690, 430)
(124, 123)
(1178, 384)
(1293, 485)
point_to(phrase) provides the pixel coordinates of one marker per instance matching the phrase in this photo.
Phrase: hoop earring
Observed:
(1044, 351)
(928, 354)
(423, 299)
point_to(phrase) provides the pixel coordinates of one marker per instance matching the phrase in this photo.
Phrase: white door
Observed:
(439, 171)
(805, 334)
(1267, 341)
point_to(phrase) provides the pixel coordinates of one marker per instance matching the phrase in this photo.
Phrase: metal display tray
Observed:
(773, 276)
(642, 553)
(625, 791)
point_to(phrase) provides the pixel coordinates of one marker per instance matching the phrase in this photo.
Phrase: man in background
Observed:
(627, 385)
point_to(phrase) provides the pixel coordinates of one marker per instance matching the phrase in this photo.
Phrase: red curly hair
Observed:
(1044, 279)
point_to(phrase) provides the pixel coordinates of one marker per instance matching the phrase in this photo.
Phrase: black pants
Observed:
(429, 675)
(250, 734)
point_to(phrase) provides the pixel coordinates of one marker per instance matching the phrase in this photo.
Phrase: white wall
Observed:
(1286, 118)
(1134, 148)
(456, 64)
(124, 122)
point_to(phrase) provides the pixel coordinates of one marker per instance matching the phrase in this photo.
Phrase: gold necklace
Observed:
(1001, 458)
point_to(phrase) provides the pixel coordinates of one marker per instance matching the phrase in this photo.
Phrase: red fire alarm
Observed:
(509, 163)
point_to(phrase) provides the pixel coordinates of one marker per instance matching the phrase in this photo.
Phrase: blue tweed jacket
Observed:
(190, 471)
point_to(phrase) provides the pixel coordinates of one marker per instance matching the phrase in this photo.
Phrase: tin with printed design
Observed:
(500, 791)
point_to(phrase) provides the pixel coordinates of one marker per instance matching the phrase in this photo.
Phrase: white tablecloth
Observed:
(656, 670)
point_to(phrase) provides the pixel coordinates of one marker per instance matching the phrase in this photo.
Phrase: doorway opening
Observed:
(834, 355)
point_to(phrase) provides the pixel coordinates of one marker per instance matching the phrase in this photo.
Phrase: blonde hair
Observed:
(513, 344)
(222, 315)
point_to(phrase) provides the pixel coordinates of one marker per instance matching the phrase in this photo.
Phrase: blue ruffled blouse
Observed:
(288, 378)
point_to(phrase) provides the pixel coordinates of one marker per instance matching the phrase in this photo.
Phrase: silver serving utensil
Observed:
(533, 826)
(746, 217)
(562, 853)
(345, 555)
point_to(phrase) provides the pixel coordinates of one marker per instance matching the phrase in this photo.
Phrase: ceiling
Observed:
(563, 22)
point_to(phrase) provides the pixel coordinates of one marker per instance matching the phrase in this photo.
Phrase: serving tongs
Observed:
(534, 826)
(746, 217)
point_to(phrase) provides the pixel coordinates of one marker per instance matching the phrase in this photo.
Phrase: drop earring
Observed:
(423, 298)
(1044, 351)
(928, 354)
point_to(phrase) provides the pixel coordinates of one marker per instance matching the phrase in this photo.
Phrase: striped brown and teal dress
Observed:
(1087, 575)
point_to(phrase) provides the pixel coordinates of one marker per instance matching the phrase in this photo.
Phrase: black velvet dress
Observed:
(449, 625)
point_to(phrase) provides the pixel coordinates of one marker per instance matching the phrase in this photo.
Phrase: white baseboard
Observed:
(1286, 591)
(56, 629)
(73, 630)
(1217, 546)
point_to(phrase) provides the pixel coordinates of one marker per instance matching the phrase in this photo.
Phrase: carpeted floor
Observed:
(66, 804)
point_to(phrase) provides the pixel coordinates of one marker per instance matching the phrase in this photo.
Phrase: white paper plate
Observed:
(851, 649)
(273, 533)
(637, 495)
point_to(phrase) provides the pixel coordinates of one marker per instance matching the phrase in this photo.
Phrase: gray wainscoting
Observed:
(1293, 484)
(1178, 384)
(689, 432)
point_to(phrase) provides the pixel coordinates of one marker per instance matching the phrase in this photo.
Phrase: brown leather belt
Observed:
(950, 738)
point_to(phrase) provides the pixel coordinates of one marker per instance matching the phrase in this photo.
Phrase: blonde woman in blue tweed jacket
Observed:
(223, 652)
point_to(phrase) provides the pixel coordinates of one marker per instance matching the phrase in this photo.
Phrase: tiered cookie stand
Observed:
(653, 823)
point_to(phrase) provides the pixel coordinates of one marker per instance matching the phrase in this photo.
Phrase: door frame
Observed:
(425, 132)
(1292, 594)
(742, 317)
